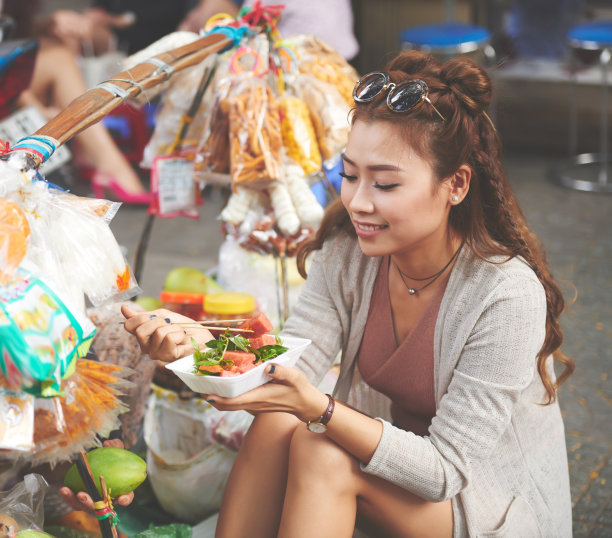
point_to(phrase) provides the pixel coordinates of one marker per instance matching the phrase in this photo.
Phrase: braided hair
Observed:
(489, 218)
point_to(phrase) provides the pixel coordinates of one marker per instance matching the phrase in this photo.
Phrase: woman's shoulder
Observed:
(494, 275)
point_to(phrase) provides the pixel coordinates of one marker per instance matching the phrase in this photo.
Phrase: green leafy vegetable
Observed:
(213, 356)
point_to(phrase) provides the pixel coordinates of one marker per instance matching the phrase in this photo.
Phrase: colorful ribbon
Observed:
(104, 510)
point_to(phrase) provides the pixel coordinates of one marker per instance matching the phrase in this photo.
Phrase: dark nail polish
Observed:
(152, 316)
(167, 320)
(272, 368)
(184, 331)
(210, 401)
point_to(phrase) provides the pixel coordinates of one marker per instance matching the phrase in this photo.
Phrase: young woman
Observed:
(428, 280)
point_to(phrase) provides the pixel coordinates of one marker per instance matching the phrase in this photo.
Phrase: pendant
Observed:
(411, 291)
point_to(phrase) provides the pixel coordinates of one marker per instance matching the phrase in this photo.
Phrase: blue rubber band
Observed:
(235, 34)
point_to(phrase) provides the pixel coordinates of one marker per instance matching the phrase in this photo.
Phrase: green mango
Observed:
(149, 303)
(123, 471)
(33, 534)
(190, 280)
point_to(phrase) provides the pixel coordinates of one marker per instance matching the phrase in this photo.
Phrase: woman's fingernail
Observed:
(167, 320)
(151, 316)
(210, 401)
(272, 369)
(184, 331)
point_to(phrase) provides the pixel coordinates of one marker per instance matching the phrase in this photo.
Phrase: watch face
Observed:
(316, 427)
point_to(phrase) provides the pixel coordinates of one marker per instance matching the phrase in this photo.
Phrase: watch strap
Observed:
(326, 417)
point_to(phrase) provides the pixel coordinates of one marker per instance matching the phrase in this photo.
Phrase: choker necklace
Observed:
(431, 278)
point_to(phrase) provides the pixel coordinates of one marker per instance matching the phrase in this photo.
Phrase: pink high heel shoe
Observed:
(100, 183)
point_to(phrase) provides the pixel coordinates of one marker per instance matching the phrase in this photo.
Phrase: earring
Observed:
(455, 198)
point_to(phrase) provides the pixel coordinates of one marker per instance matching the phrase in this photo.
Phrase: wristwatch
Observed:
(320, 425)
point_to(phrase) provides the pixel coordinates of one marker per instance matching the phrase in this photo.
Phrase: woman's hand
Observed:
(159, 336)
(82, 500)
(289, 392)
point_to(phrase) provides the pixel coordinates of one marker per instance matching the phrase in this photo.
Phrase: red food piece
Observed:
(259, 324)
(230, 373)
(213, 369)
(263, 340)
(239, 358)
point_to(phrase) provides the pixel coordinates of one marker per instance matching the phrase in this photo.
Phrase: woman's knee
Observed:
(312, 455)
(272, 429)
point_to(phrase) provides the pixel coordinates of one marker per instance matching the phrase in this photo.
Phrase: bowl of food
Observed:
(233, 363)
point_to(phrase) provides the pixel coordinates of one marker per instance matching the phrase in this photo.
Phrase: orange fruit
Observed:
(14, 235)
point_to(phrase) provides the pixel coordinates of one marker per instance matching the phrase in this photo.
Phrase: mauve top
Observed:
(403, 372)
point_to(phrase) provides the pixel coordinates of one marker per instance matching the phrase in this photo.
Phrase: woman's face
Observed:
(393, 198)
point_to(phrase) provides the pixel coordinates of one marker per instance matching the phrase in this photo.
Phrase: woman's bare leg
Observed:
(253, 497)
(57, 80)
(326, 488)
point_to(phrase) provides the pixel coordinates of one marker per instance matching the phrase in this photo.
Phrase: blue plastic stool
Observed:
(449, 39)
(591, 37)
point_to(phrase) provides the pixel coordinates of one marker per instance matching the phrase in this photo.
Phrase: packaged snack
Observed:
(328, 111)
(255, 136)
(318, 59)
(299, 138)
(41, 335)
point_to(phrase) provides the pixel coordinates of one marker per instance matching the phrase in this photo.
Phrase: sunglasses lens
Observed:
(369, 87)
(406, 96)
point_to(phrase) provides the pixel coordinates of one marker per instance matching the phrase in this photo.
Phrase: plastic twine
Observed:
(104, 510)
(43, 146)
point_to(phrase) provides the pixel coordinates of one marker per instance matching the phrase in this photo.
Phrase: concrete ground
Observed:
(575, 230)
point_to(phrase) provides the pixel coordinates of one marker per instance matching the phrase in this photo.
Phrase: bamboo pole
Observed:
(96, 103)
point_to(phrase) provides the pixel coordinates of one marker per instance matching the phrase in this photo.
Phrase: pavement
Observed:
(575, 229)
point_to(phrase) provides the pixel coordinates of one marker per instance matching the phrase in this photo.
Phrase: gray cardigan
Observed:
(492, 447)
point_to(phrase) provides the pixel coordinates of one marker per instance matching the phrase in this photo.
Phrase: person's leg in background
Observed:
(56, 82)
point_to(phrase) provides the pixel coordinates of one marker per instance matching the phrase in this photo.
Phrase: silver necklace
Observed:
(431, 278)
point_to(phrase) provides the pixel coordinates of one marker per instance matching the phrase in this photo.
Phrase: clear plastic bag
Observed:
(299, 138)
(177, 100)
(24, 503)
(328, 110)
(255, 135)
(318, 59)
(186, 465)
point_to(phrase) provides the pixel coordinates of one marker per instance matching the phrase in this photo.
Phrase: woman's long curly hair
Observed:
(489, 218)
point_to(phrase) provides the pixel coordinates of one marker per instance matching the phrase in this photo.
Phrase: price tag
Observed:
(174, 187)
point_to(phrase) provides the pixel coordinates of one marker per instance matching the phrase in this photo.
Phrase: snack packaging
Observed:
(318, 59)
(328, 110)
(213, 155)
(299, 138)
(175, 191)
(41, 335)
(16, 420)
(255, 135)
(177, 101)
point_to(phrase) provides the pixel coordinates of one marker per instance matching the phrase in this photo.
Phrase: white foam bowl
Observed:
(236, 385)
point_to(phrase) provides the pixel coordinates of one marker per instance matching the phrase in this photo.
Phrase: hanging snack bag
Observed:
(40, 335)
(328, 111)
(299, 138)
(213, 155)
(318, 59)
(255, 135)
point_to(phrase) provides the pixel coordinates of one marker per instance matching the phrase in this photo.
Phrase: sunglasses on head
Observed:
(402, 97)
